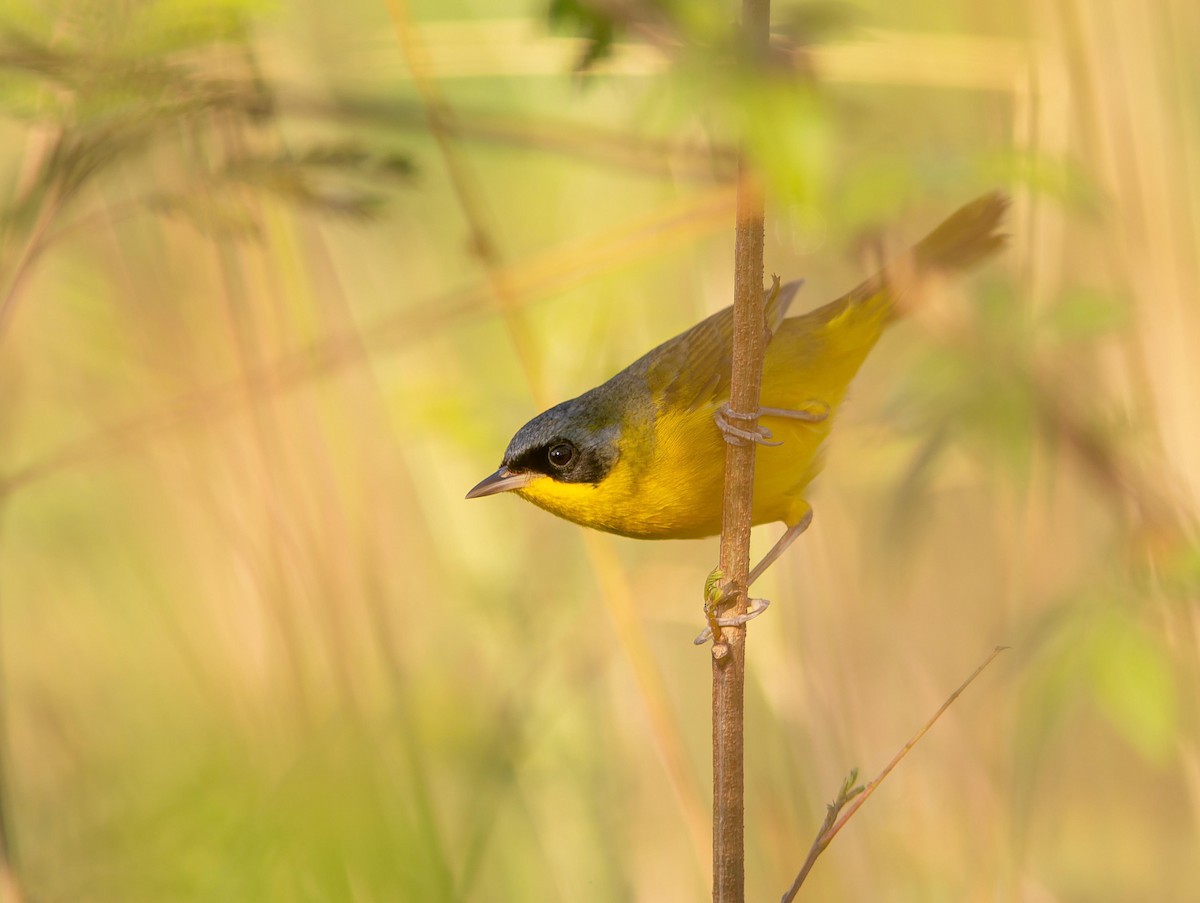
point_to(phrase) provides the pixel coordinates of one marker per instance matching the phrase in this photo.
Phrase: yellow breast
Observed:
(670, 487)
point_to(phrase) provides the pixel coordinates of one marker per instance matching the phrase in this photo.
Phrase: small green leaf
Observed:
(1133, 685)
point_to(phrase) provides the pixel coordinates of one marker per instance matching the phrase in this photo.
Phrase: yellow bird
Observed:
(643, 454)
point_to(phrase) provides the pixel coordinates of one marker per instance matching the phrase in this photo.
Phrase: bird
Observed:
(643, 454)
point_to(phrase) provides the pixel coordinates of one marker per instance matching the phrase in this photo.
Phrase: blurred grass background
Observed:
(279, 282)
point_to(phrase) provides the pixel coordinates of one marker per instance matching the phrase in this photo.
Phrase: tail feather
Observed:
(968, 236)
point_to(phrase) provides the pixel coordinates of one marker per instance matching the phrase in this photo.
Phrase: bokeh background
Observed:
(278, 283)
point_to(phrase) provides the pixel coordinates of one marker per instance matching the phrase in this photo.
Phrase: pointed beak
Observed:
(501, 481)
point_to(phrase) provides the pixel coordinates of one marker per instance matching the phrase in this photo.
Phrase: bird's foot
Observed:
(717, 594)
(736, 435)
(813, 411)
(757, 607)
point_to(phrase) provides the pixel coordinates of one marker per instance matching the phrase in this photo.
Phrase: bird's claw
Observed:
(813, 411)
(736, 435)
(715, 594)
(757, 607)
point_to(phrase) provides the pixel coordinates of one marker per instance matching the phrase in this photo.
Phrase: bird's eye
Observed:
(561, 455)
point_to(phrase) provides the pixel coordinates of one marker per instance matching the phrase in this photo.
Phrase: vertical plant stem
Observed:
(507, 293)
(729, 649)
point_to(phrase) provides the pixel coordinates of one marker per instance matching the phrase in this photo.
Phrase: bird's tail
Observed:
(967, 237)
(855, 321)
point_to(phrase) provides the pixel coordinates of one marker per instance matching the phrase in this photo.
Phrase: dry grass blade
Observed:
(508, 300)
(851, 798)
(553, 270)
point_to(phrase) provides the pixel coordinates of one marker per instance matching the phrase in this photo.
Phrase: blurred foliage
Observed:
(110, 103)
(597, 26)
(255, 645)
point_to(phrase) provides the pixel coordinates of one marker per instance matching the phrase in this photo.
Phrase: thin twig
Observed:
(856, 796)
(728, 649)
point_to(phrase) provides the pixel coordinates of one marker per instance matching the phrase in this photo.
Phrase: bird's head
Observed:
(572, 446)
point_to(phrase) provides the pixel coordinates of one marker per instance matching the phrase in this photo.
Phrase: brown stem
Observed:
(729, 647)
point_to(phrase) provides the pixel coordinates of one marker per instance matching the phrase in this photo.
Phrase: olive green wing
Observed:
(694, 368)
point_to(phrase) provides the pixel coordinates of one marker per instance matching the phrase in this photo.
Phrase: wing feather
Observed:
(693, 369)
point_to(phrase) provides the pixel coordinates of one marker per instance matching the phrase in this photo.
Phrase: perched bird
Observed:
(643, 454)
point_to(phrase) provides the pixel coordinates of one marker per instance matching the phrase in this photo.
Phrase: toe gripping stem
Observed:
(738, 435)
(715, 595)
(813, 411)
